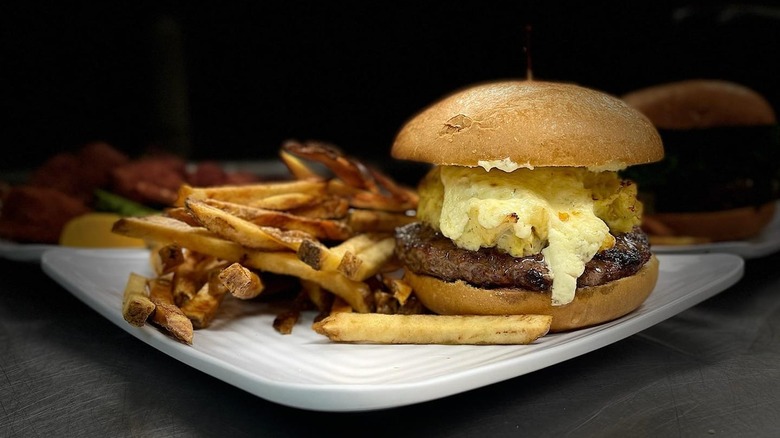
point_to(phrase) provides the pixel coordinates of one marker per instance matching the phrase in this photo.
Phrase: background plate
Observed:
(766, 243)
(21, 252)
(306, 370)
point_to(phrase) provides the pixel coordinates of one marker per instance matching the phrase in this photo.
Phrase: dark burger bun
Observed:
(701, 104)
(531, 123)
(717, 226)
(591, 305)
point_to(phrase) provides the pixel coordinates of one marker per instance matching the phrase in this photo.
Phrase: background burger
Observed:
(523, 210)
(719, 179)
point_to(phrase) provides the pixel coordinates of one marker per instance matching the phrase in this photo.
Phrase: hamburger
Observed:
(720, 178)
(523, 210)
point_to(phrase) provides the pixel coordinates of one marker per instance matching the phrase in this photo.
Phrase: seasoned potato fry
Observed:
(187, 280)
(200, 240)
(320, 228)
(202, 308)
(166, 230)
(329, 207)
(171, 257)
(136, 305)
(361, 220)
(287, 201)
(368, 262)
(298, 168)
(241, 282)
(285, 321)
(166, 314)
(245, 194)
(400, 289)
(433, 329)
(245, 233)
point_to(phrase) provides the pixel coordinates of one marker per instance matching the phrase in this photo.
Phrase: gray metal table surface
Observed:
(712, 370)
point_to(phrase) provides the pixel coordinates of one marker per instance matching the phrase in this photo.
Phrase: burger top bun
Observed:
(511, 124)
(701, 103)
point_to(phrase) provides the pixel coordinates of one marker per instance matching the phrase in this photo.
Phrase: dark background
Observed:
(233, 80)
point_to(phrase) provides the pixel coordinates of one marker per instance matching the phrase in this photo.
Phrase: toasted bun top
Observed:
(701, 103)
(529, 124)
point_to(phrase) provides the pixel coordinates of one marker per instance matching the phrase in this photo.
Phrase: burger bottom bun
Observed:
(591, 305)
(734, 224)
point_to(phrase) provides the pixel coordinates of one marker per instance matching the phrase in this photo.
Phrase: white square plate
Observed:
(306, 370)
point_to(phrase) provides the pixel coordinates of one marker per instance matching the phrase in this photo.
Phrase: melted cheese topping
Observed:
(563, 212)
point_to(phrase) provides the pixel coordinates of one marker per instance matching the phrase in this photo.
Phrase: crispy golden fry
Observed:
(241, 282)
(241, 231)
(329, 207)
(297, 167)
(318, 296)
(246, 194)
(331, 259)
(318, 256)
(340, 306)
(361, 220)
(320, 228)
(167, 230)
(182, 214)
(352, 172)
(202, 308)
(369, 200)
(187, 280)
(166, 314)
(368, 262)
(286, 201)
(136, 305)
(200, 240)
(285, 321)
(190, 276)
(378, 328)
(171, 256)
(344, 256)
(400, 289)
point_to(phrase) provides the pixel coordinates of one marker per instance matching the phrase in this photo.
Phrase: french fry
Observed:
(241, 282)
(329, 207)
(200, 240)
(320, 257)
(318, 296)
(136, 305)
(286, 201)
(202, 308)
(340, 306)
(368, 262)
(352, 172)
(186, 283)
(320, 228)
(170, 257)
(376, 328)
(369, 200)
(362, 220)
(166, 314)
(297, 167)
(400, 289)
(285, 321)
(167, 230)
(245, 194)
(243, 232)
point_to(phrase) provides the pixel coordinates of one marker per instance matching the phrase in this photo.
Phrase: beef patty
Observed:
(424, 250)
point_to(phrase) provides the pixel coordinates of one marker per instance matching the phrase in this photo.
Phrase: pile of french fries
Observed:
(330, 227)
